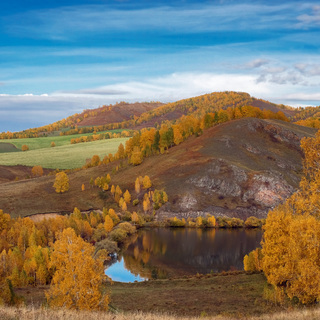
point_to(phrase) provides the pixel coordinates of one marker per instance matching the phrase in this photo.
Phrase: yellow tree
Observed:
(37, 171)
(291, 239)
(127, 196)
(108, 223)
(146, 182)
(78, 278)
(146, 204)
(95, 160)
(61, 183)
(212, 221)
(124, 206)
(121, 152)
(137, 185)
(136, 156)
(134, 217)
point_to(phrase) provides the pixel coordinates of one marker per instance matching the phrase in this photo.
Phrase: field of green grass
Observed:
(45, 142)
(67, 156)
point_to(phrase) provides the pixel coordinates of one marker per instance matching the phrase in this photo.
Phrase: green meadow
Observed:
(63, 156)
(45, 142)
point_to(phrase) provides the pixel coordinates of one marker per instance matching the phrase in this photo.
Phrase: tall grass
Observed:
(10, 313)
(62, 157)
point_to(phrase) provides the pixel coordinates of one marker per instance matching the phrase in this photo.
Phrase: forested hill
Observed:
(143, 115)
(237, 169)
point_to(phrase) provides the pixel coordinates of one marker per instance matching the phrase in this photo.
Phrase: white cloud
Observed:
(257, 63)
(308, 69)
(310, 20)
(47, 108)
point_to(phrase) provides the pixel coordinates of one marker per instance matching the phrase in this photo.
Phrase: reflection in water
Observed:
(163, 253)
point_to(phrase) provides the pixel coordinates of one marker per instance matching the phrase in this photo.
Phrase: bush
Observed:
(253, 222)
(118, 235)
(127, 227)
(107, 244)
(175, 222)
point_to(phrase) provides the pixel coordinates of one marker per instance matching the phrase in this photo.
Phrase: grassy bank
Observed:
(62, 157)
(227, 294)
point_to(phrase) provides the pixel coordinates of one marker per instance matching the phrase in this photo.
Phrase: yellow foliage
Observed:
(212, 221)
(146, 182)
(134, 217)
(291, 239)
(37, 171)
(146, 205)
(127, 196)
(77, 281)
(137, 185)
(61, 183)
(108, 224)
(253, 260)
(199, 221)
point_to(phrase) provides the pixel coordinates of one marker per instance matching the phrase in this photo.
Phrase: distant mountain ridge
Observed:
(238, 167)
(150, 114)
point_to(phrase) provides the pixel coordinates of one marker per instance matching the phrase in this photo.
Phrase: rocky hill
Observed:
(237, 169)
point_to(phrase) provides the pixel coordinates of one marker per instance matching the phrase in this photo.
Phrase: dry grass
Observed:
(23, 313)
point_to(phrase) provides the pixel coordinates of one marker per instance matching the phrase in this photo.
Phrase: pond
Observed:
(175, 252)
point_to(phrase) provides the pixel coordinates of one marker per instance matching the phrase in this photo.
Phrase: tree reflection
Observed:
(162, 253)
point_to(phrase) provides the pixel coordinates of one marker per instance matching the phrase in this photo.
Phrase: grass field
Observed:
(45, 142)
(8, 147)
(235, 295)
(67, 156)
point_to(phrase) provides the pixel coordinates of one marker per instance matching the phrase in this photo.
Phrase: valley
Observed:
(174, 165)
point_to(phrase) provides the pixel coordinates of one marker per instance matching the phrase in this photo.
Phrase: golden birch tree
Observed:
(78, 279)
(61, 183)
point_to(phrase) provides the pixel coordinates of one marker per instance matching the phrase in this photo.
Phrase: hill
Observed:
(113, 113)
(144, 115)
(199, 106)
(238, 169)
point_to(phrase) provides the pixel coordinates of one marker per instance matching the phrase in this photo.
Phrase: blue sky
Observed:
(60, 57)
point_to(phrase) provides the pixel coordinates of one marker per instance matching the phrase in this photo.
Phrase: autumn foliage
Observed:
(290, 246)
(61, 183)
(78, 278)
(37, 171)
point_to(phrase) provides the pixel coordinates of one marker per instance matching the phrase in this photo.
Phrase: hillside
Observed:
(239, 168)
(113, 114)
(199, 106)
(144, 115)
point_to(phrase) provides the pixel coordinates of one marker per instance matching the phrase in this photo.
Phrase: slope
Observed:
(144, 115)
(237, 169)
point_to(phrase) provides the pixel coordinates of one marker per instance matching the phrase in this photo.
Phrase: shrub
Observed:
(118, 235)
(175, 222)
(127, 227)
(253, 222)
(107, 244)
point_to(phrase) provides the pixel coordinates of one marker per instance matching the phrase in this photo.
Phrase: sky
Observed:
(59, 57)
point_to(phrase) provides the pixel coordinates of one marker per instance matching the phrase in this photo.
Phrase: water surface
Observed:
(174, 252)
